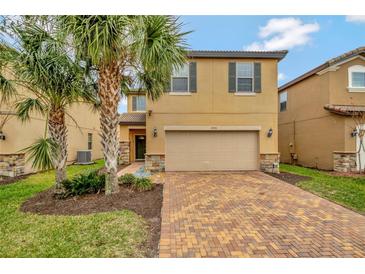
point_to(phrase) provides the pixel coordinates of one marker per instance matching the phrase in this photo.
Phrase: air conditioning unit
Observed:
(84, 157)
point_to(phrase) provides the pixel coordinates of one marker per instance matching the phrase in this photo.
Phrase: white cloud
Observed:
(355, 18)
(281, 76)
(284, 33)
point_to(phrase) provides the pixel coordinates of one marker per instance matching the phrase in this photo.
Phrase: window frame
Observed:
(145, 103)
(286, 101)
(252, 78)
(351, 70)
(188, 83)
(89, 141)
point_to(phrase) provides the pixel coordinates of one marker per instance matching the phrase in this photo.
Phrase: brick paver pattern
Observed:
(253, 215)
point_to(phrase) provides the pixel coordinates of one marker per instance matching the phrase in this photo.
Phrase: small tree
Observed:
(358, 118)
(151, 46)
(36, 59)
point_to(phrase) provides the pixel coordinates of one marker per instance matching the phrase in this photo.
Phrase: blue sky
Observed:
(311, 40)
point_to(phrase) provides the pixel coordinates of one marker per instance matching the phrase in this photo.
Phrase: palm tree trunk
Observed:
(110, 95)
(58, 132)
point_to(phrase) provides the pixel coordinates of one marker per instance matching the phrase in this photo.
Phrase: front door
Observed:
(140, 146)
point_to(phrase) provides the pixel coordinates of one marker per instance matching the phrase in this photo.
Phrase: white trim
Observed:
(245, 93)
(180, 93)
(331, 68)
(350, 89)
(212, 128)
(352, 69)
(337, 65)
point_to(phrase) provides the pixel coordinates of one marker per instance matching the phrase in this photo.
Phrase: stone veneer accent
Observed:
(12, 165)
(344, 161)
(269, 162)
(154, 162)
(124, 152)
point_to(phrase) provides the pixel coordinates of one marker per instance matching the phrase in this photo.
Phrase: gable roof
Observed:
(278, 54)
(359, 51)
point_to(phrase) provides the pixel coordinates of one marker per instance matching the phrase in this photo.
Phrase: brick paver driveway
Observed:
(253, 215)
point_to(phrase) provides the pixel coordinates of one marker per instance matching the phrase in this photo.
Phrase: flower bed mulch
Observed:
(289, 177)
(147, 204)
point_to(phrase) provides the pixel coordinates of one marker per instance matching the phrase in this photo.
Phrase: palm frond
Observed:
(26, 106)
(7, 89)
(42, 153)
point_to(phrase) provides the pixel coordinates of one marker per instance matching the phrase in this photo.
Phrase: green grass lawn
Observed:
(115, 234)
(346, 191)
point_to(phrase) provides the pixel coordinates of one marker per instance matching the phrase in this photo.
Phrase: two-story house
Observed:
(316, 114)
(220, 113)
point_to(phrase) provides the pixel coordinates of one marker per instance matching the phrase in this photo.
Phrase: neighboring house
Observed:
(219, 114)
(18, 135)
(316, 126)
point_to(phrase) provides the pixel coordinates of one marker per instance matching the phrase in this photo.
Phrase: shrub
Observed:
(86, 183)
(142, 184)
(127, 179)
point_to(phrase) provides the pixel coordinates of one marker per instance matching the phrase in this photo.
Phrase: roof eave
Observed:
(279, 55)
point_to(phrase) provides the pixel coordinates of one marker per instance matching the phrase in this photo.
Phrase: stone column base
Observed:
(154, 162)
(12, 165)
(344, 161)
(269, 162)
(124, 152)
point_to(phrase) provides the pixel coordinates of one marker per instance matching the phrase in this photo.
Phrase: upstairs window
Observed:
(283, 99)
(180, 79)
(357, 78)
(139, 103)
(89, 141)
(244, 77)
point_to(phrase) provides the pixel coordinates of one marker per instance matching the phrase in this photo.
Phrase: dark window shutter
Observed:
(232, 77)
(192, 76)
(134, 103)
(257, 77)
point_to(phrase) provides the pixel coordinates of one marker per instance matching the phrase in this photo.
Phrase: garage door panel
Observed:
(206, 150)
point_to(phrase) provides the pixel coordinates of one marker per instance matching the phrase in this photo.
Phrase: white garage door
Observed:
(211, 150)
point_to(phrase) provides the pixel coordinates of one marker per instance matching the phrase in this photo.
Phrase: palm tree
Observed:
(149, 46)
(35, 60)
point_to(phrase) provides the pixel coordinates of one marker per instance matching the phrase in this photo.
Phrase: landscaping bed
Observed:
(290, 177)
(114, 234)
(146, 204)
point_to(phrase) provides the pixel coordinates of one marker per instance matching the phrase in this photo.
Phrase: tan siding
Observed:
(214, 105)
(21, 135)
(318, 133)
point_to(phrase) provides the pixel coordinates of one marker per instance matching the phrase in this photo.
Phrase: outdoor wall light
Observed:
(149, 112)
(269, 133)
(354, 132)
(154, 132)
(2, 136)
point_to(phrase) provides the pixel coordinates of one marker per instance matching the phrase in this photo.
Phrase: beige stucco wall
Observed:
(340, 94)
(21, 135)
(212, 104)
(315, 132)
